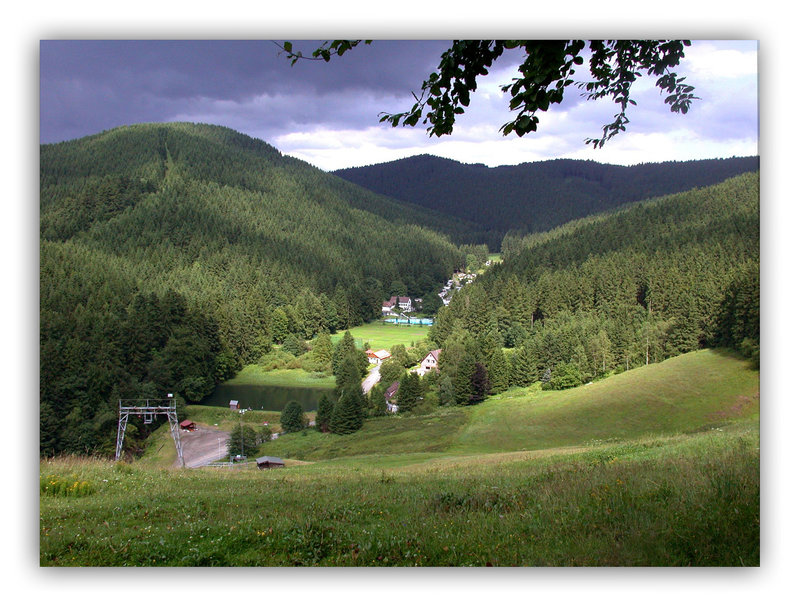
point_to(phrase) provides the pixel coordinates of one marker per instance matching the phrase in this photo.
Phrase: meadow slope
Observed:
(655, 467)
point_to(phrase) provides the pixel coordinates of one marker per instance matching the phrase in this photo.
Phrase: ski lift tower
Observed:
(148, 409)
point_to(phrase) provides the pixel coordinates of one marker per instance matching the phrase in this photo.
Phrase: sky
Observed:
(327, 113)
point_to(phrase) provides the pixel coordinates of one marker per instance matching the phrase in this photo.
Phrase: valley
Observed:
(591, 387)
(460, 487)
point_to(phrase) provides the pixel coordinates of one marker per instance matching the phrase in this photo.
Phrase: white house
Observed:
(405, 303)
(376, 357)
(430, 362)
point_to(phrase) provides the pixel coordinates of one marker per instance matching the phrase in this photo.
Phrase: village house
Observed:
(404, 303)
(377, 357)
(430, 362)
(391, 397)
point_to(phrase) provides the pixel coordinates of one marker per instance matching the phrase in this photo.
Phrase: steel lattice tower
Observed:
(148, 408)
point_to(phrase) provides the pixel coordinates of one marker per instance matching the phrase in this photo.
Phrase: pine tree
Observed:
(462, 384)
(292, 417)
(479, 381)
(322, 350)
(408, 392)
(447, 396)
(324, 414)
(497, 366)
(279, 325)
(348, 413)
(242, 441)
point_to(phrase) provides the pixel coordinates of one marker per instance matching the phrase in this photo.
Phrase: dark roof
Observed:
(392, 390)
(187, 422)
(269, 460)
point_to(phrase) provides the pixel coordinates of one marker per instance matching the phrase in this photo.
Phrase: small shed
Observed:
(269, 462)
(189, 425)
(234, 404)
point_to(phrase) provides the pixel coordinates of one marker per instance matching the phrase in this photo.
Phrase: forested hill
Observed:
(612, 292)
(534, 197)
(172, 254)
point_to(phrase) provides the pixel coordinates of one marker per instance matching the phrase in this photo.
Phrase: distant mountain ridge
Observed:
(534, 196)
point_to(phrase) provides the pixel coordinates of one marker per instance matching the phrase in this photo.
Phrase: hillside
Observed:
(656, 467)
(534, 197)
(609, 293)
(172, 254)
(689, 393)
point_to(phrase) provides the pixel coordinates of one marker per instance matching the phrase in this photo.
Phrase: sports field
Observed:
(380, 335)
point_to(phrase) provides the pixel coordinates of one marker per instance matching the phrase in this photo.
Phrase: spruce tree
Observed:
(292, 417)
(497, 366)
(446, 392)
(479, 381)
(324, 413)
(322, 350)
(348, 414)
(408, 392)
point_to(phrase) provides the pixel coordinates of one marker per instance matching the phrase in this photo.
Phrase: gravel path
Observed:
(203, 446)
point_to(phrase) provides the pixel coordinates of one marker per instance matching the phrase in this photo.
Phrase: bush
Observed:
(564, 376)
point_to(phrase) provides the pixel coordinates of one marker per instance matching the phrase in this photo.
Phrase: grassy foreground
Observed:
(440, 490)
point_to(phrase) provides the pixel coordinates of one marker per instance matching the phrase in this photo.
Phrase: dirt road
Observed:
(202, 446)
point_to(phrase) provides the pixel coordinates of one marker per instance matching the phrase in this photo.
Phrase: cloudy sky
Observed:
(327, 113)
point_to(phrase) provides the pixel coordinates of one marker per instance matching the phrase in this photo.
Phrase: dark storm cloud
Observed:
(88, 86)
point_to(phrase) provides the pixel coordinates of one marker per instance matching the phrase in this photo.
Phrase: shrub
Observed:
(564, 376)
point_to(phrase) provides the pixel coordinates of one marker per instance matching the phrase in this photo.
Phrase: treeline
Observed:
(533, 197)
(245, 247)
(610, 293)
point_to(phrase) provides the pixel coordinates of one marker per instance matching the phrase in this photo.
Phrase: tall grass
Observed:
(659, 467)
(691, 500)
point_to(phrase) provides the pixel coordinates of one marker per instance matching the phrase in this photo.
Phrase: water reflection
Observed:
(266, 398)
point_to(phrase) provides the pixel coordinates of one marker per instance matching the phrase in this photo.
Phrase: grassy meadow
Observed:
(377, 334)
(255, 375)
(380, 335)
(653, 467)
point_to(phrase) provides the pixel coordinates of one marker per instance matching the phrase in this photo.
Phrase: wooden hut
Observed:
(189, 425)
(269, 462)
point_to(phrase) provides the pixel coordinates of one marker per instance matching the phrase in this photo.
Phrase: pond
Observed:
(267, 398)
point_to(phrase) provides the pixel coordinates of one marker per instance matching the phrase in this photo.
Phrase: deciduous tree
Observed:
(547, 71)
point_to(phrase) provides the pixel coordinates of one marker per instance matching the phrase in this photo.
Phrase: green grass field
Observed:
(382, 335)
(254, 375)
(377, 334)
(653, 467)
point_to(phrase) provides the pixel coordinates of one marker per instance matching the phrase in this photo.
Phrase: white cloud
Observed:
(707, 61)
